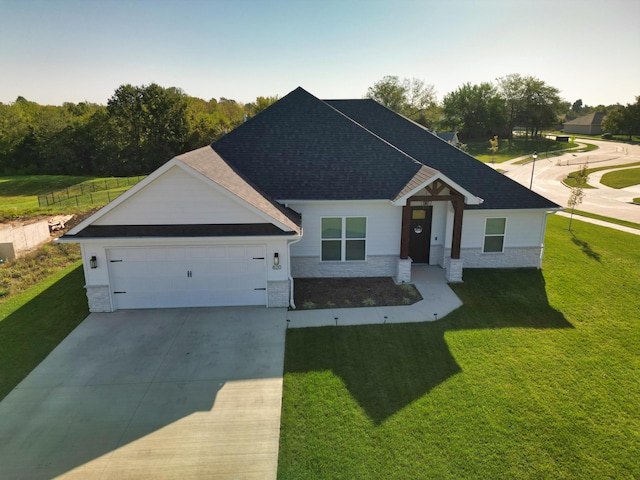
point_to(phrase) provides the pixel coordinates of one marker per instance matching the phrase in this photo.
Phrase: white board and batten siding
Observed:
(384, 222)
(177, 198)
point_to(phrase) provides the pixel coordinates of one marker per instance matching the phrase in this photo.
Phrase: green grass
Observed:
(621, 178)
(570, 180)
(19, 194)
(535, 376)
(34, 322)
(617, 221)
(588, 147)
(515, 148)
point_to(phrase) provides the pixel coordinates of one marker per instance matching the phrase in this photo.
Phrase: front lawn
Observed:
(536, 376)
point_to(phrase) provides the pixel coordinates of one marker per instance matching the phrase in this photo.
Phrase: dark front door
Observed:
(420, 238)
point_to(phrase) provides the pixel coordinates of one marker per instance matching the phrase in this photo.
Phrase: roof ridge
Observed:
(373, 133)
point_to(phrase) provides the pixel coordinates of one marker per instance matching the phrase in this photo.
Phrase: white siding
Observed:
(524, 228)
(178, 198)
(384, 223)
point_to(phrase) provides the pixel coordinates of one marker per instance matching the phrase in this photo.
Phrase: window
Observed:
(494, 230)
(344, 239)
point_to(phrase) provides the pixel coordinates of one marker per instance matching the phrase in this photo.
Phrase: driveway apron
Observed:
(180, 393)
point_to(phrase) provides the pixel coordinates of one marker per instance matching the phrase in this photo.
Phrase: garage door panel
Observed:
(162, 277)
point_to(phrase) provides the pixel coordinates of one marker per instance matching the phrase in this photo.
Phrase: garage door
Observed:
(166, 277)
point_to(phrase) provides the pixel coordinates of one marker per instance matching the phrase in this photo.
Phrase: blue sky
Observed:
(54, 51)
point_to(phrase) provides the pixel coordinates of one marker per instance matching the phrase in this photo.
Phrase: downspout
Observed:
(543, 234)
(291, 302)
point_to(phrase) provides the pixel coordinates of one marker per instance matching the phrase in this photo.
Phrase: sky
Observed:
(56, 51)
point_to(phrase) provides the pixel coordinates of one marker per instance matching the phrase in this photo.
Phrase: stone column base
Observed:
(98, 296)
(453, 272)
(278, 294)
(403, 272)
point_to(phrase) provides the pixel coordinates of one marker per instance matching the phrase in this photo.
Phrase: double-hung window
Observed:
(494, 231)
(344, 239)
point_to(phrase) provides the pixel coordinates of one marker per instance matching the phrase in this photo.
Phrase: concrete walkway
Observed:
(615, 226)
(437, 300)
(176, 393)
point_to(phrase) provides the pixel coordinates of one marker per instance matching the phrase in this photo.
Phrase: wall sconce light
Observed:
(93, 262)
(276, 259)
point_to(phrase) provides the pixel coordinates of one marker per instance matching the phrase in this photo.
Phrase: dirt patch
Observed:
(313, 293)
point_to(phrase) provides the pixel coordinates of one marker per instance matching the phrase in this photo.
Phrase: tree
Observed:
(261, 104)
(577, 106)
(512, 90)
(623, 120)
(613, 122)
(476, 110)
(577, 192)
(494, 142)
(409, 97)
(148, 125)
(529, 102)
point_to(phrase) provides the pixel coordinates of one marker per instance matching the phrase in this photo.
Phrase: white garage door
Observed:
(165, 277)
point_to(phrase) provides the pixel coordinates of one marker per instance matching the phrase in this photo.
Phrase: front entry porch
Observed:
(437, 301)
(416, 235)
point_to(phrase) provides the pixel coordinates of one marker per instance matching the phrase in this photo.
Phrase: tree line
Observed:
(481, 111)
(139, 129)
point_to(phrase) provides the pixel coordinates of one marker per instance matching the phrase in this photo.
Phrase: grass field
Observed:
(570, 180)
(536, 376)
(621, 178)
(19, 194)
(517, 147)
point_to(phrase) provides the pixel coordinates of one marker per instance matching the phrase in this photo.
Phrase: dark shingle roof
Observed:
(207, 162)
(300, 148)
(594, 118)
(498, 191)
(193, 230)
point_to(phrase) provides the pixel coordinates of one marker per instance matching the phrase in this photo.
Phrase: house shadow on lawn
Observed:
(387, 367)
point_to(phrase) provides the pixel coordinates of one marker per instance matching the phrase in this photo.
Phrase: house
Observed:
(449, 137)
(306, 188)
(588, 125)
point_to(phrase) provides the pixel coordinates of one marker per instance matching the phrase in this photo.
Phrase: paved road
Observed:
(549, 172)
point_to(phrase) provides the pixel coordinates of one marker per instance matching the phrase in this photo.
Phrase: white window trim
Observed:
(343, 238)
(503, 235)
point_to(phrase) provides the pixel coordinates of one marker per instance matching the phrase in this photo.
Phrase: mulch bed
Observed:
(313, 293)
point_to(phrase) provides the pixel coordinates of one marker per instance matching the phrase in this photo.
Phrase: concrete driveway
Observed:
(181, 393)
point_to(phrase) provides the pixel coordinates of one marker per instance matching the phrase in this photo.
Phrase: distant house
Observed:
(449, 137)
(306, 188)
(589, 124)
